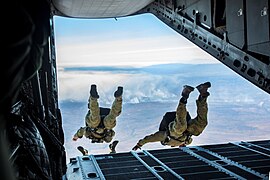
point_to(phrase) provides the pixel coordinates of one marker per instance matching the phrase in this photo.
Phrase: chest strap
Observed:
(186, 134)
(92, 132)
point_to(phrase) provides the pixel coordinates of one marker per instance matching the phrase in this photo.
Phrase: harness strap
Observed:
(185, 133)
(94, 134)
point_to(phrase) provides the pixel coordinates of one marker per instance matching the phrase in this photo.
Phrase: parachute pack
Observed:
(169, 117)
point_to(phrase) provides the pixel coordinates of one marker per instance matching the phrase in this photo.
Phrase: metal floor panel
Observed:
(236, 160)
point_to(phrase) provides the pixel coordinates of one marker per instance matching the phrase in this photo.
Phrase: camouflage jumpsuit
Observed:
(93, 120)
(180, 131)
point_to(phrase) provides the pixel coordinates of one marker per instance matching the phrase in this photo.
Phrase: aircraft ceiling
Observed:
(98, 8)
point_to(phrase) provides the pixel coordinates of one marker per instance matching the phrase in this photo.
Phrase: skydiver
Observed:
(177, 127)
(100, 121)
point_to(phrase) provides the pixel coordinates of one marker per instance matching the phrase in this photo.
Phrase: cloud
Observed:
(137, 88)
(139, 52)
(155, 83)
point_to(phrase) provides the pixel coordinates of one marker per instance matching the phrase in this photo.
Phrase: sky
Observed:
(139, 40)
(136, 41)
(147, 58)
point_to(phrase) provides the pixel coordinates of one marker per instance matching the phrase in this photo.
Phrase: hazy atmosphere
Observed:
(152, 63)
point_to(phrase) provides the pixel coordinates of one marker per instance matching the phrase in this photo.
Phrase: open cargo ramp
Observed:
(237, 160)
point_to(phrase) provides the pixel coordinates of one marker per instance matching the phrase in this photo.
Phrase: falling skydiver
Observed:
(100, 121)
(177, 127)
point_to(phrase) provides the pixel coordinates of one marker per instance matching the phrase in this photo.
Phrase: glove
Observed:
(75, 138)
(138, 146)
(182, 145)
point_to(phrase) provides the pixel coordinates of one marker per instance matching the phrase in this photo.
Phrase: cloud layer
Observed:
(153, 83)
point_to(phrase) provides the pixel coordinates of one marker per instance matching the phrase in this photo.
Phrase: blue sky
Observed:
(129, 41)
(139, 24)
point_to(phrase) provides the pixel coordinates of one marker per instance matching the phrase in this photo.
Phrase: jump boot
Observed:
(93, 91)
(185, 93)
(82, 150)
(118, 92)
(113, 145)
(202, 88)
